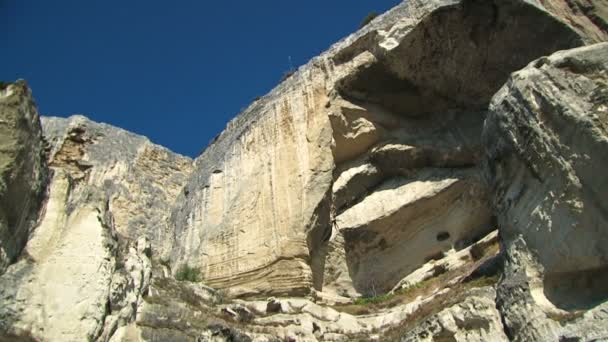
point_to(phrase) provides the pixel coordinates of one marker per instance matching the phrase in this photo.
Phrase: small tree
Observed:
(370, 16)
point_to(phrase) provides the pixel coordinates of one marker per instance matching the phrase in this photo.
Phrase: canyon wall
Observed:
(435, 175)
(364, 163)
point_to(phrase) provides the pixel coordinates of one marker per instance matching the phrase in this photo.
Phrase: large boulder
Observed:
(546, 141)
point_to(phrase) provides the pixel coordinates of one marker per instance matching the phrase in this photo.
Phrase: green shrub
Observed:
(374, 300)
(370, 16)
(3, 85)
(187, 273)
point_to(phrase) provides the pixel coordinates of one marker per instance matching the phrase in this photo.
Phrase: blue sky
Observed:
(175, 71)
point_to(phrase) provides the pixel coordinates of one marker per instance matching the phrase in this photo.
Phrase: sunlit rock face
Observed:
(139, 179)
(290, 196)
(23, 171)
(86, 264)
(419, 161)
(547, 137)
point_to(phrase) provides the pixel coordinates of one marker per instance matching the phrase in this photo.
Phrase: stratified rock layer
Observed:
(546, 142)
(402, 100)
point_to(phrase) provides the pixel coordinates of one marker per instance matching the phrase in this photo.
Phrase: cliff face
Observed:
(546, 137)
(380, 170)
(22, 170)
(86, 263)
(354, 167)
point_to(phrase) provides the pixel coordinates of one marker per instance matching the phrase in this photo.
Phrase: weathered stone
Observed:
(356, 175)
(258, 210)
(59, 288)
(474, 319)
(405, 222)
(23, 171)
(87, 263)
(140, 180)
(546, 138)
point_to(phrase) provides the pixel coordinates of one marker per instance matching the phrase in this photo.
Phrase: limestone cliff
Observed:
(433, 176)
(86, 263)
(546, 138)
(22, 170)
(318, 169)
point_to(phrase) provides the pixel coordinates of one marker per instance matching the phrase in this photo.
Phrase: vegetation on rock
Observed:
(188, 273)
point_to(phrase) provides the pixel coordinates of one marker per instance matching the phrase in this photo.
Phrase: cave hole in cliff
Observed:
(443, 236)
(580, 290)
(458, 57)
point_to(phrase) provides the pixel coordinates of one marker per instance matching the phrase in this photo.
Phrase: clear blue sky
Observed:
(174, 71)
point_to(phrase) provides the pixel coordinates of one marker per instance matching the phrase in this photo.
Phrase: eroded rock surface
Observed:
(404, 98)
(474, 319)
(353, 193)
(139, 179)
(547, 137)
(22, 169)
(87, 262)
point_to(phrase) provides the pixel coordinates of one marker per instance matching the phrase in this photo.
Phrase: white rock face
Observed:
(356, 176)
(258, 214)
(23, 172)
(140, 180)
(547, 138)
(405, 223)
(87, 263)
(58, 291)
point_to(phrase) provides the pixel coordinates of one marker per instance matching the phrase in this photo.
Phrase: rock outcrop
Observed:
(23, 170)
(546, 138)
(433, 176)
(474, 319)
(87, 262)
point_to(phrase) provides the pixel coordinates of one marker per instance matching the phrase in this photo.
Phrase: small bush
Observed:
(3, 85)
(370, 16)
(187, 273)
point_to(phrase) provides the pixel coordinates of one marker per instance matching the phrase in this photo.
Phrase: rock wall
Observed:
(299, 178)
(140, 180)
(381, 169)
(22, 170)
(546, 138)
(87, 262)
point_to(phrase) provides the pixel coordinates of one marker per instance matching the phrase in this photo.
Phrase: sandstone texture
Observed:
(434, 176)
